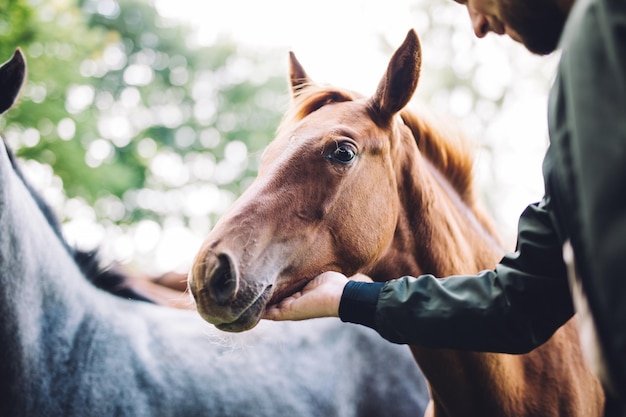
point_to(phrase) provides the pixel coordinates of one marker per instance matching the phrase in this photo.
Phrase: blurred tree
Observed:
(134, 122)
(18, 29)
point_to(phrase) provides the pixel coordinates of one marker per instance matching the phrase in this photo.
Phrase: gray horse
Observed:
(69, 349)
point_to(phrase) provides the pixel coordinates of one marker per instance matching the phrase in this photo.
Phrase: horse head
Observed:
(325, 197)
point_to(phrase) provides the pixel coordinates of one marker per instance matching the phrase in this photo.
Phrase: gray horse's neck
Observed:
(42, 290)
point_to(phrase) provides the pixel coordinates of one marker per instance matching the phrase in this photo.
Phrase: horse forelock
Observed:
(447, 149)
(312, 98)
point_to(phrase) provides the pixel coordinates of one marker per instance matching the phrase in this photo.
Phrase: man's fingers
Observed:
(271, 313)
(281, 310)
(319, 298)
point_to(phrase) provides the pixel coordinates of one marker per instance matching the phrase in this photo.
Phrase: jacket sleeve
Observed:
(513, 308)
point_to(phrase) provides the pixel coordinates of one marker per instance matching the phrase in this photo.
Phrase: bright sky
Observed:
(325, 35)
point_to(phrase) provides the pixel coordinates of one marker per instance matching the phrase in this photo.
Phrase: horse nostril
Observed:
(222, 280)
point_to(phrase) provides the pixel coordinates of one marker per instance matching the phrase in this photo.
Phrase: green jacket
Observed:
(526, 298)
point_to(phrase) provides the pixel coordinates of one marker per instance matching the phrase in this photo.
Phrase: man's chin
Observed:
(537, 24)
(543, 44)
(542, 47)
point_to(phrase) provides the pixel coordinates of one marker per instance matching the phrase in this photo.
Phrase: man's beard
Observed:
(539, 23)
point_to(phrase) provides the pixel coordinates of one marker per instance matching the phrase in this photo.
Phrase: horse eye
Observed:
(344, 153)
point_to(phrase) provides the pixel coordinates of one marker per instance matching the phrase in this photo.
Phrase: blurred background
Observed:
(143, 120)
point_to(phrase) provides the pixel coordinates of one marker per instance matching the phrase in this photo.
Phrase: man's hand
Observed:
(319, 298)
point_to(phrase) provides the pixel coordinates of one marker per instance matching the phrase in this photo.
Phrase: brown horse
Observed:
(360, 184)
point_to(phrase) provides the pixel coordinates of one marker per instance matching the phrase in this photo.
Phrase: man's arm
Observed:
(513, 308)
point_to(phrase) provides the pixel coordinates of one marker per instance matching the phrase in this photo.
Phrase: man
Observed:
(576, 233)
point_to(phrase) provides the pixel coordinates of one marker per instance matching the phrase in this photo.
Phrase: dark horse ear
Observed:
(12, 76)
(298, 77)
(399, 82)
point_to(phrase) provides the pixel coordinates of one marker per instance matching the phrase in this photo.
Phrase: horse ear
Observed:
(12, 77)
(400, 81)
(299, 78)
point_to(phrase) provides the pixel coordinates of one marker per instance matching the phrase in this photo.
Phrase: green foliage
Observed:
(114, 94)
(16, 26)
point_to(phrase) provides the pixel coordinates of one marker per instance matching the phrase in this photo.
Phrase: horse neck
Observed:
(437, 231)
(440, 232)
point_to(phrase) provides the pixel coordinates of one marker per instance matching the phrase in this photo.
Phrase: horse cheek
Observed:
(367, 230)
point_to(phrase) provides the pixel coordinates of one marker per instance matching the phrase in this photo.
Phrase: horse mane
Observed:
(446, 148)
(311, 97)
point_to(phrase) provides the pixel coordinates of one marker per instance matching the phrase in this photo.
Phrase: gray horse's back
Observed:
(317, 368)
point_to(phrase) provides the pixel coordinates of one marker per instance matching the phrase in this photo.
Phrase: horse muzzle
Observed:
(223, 297)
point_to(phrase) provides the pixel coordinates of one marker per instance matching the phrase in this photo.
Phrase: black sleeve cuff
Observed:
(358, 302)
